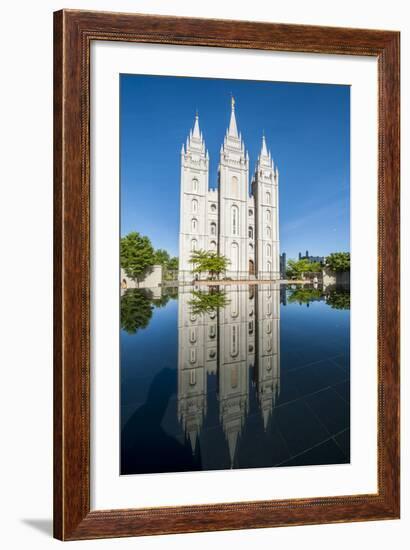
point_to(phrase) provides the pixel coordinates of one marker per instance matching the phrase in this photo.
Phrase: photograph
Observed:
(234, 275)
(204, 216)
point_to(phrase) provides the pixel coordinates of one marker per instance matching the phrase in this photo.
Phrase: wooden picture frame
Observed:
(74, 32)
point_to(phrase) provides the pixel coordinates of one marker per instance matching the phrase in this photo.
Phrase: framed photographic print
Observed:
(226, 285)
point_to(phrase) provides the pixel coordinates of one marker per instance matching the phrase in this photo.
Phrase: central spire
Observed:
(233, 130)
(264, 151)
(196, 133)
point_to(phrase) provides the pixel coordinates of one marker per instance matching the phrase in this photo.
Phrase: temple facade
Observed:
(235, 219)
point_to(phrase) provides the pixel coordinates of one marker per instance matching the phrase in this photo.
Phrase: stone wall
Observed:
(335, 278)
(151, 280)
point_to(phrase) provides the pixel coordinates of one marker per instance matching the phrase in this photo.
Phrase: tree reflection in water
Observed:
(305, 295)
(337, 297)
(207, 302)
(137, 305)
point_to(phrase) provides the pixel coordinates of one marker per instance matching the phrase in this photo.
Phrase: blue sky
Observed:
(307, 129)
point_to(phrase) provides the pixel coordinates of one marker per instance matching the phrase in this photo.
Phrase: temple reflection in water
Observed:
(232, 332)
(234, 376)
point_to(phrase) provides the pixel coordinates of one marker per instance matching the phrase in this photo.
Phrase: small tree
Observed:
(208, 262)
(136, 255)
(173, 263)
(338, 261)
(296, 269)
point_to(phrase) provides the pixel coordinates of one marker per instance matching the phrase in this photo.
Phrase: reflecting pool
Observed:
(234, 376)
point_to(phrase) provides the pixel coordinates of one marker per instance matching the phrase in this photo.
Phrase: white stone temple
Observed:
(236, 220)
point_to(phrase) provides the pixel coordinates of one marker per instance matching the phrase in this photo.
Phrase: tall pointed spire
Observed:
(264, 151)
(233, 130)
(232, 437)
(196, 132)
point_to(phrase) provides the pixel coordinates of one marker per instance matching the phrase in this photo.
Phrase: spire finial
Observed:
(196, 132)
(264, 151)
(233, 130)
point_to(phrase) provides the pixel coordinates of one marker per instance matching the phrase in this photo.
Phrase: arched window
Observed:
(267, 197)
(212, 246)
(194, 206)
(250, 232)
(194, 225)
(269, 266)
(235, 224)
(212, 331)
(192, 335)
(250, 212)
(269, 327)
(268, 305)
(213, 228)
(268, 216)
(194, 244)
(192, 355)
(192, 377)
(195, 185)
(268, 250)
(235, 304)
(235, 186)
(234, 340)
(250, 327)
(234, 376)
(213, 207)
(269, 232)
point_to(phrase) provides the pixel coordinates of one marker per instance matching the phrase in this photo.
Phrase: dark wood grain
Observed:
(73, 33)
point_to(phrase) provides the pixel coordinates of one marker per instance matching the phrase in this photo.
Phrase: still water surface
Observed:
(234, 377)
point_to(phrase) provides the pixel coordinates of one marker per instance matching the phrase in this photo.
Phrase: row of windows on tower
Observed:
(234, 221)
(234, 191)
(234, 374)
(234, 345)
(212, 247)
(212, 329)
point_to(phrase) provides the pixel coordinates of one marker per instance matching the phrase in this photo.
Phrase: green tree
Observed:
(171, 268)
(136, 255)
(162, 257)
(173, 263)
(297, 268)
(338, 261)
(209, 262)
(136, 310)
